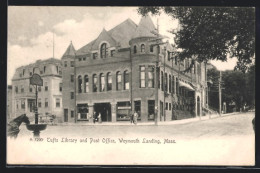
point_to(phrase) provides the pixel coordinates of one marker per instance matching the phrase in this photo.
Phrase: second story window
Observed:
(126, 80)
(79, 84)
(102, 82)
(60, 87)
(112, 53)
(142, 76)
(39, 103)
(46, 86)
(118, 81)
(57, 102)
(44, 69)
(142, 48)
(30, 89)
(170, 84)
(150, 76)
(71, 95)
(103, 50)
(22, 89)
(166, 82)
(162, 81)
(16, 89)
(135, 50)
(94, 83)
(86, 90)
(65, 64)
(151, 48)
(109, 81)
(46, 102)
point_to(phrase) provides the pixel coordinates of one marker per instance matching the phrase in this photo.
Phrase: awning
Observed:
(187, 86)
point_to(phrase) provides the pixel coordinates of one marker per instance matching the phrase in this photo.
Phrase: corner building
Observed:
(115, 75)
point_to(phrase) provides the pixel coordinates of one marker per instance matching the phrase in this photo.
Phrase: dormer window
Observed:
(103, 50)
(142, 48)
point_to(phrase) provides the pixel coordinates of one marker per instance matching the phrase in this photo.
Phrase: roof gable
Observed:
(70, 51)
(103, 36)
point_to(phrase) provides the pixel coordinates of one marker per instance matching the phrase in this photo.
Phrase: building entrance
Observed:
(104, 109)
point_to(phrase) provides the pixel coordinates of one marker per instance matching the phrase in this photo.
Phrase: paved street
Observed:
(227, 140)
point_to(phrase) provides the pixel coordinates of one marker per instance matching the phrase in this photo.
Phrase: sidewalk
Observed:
(151, 123)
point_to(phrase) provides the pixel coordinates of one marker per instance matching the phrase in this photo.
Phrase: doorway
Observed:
(65, 115)
(105, 110)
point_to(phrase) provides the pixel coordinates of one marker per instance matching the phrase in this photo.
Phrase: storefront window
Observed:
(138, 108)
(83, 112)
(151, 109)
(123, 111)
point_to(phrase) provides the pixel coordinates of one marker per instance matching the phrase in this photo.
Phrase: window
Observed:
(71, 78)
(71, 95)
(112, 52)
(109, 81)
(46, 102)
(173, 89)
(170, 84)
(82, 111)
(31, 73)
(84, 59)
(23, 71)
(170, 106)
(23, 104)
(142, 48)
(118, 81)
(72, 114)
(150, 76)
(44, 69)
(103, 50)
(166, 106)
(142, 76)
(151, 48)
(65, 64)
(71, 63)
(176, 60)
(138, 107)
(177, 86)
(86, 89)
(126, 80)
(94, 55)
(39, 103)
(46, 86)
(20, 75)
(41, 72)
(151, 109)
(60, 87)
(169, 55)
(135, 50)
(39, 88)
(22, 89)
(57, 102)
(79, 84)
(162, 83)
(94, 83)
(30, 89)
(16, 89)
(79, 59)
(166, 82)
(123, 111)
(102, 82)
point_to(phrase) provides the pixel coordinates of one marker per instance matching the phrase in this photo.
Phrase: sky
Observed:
(31, 30)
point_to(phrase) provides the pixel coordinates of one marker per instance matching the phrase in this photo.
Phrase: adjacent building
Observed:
(129, 68)
(49, 95)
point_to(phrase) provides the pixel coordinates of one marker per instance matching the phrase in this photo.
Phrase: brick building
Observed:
(117, 73)
(49, 95)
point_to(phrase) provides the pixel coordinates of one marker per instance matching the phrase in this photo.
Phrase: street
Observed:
(227, 140)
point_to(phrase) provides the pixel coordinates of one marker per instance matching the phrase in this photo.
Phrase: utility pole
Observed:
(219, 87)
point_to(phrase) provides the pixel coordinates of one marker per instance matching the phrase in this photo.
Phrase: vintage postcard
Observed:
(130, 86)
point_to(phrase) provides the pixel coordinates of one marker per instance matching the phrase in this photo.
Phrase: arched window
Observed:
(79, 84)
(118, 81)
(170, 84)
(126, 80)
(103, 50)
(102, 82)
(94, 83)
(109, 81)
(142, 48)
(86, 88)
(135, 50)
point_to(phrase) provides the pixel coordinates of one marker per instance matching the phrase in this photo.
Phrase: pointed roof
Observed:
(120, 34)
(145, 28)
(70, 51)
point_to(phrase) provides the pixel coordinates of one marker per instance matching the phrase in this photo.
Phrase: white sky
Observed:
(30, 31)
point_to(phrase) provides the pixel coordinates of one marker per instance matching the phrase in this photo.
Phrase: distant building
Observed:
(115, 75)
(49, 95)
(9, 102)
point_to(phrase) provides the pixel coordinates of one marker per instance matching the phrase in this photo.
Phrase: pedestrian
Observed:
(94, 117)
(99, 118)
(135, 117)
(131, 117)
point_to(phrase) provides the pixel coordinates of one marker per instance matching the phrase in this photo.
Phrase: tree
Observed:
(212, 33)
